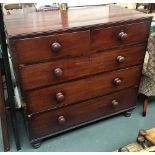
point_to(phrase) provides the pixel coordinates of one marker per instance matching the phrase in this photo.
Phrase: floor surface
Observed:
(103, 136)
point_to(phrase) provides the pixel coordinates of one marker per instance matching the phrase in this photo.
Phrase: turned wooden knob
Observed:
(117, 81)
(122, 36)
(60, 97)
(115, 103)
(120, 59)
(61, 119)
(58, 72)
(56, 47)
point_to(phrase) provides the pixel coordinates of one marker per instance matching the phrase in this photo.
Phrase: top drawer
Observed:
(111, 37)
(44, 48)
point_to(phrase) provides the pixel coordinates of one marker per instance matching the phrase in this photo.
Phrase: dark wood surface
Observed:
(48, 123)
(77, 66)
(37, 23)
(45, 73)
(37, 49)
(28, 51)
(79, 90)
(104, 38)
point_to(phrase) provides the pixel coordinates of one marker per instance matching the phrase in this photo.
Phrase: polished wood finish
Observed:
(77, 66)
(58, 71)
(56, 46)
(105, 38)
(49, 22)
(117, 81)
(115, 103)
(79, 90)
(32, 50)
(49, 123)
(61, 119)
(120, 59)
(123, 36)
(60, 97)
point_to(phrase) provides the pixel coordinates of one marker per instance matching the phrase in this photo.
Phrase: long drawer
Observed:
(104, 38)
(52, 122)
(58, 71)
(37, 49)
(80, 90)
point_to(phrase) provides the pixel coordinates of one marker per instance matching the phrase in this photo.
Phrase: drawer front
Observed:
(63, 70)
(105, 38)
(58, 120)
(44, 48)
(80, 90)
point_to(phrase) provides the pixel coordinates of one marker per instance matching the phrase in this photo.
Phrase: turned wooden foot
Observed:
(145, 105)
(128, 113)
(36, 144)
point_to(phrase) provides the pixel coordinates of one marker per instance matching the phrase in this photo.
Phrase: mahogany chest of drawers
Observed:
(77, 66)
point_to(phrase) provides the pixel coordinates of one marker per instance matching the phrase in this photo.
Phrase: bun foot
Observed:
(36, 144)
(128, 113)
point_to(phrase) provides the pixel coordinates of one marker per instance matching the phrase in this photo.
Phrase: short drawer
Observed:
(111, 37)
(32, 50)
(58, 71)
(56, 121)
(72, 92)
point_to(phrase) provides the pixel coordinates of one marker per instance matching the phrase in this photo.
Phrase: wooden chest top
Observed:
(39, 23)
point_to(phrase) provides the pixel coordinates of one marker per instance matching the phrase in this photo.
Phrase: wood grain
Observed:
(37, 49)
(79, 67)
(105, 38)
(47, 123)
(79, 90)
(76, 66)
(38, 23)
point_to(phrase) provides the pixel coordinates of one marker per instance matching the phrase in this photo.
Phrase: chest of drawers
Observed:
(74, 68)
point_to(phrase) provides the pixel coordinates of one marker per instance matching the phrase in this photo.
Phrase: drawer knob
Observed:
(60, 97)
(122, 36)
(61, 119)
(56, 47)
(115, 103)
(58, 72)
(117, 81)
(120, 59)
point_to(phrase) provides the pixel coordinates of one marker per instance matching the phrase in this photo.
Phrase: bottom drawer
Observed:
(52, 122)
